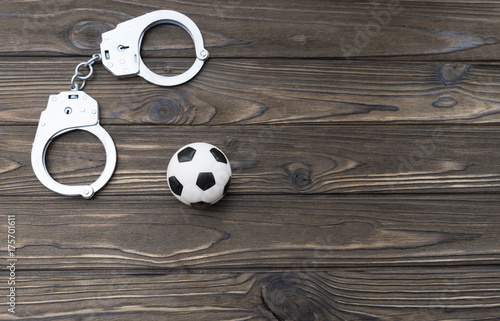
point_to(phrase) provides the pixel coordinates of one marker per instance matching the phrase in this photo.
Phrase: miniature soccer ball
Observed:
(199, 174)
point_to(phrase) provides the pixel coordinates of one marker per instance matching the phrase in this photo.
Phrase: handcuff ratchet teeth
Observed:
(75, 110)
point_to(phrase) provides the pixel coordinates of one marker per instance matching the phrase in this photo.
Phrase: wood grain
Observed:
(266, 91)
(254, 232)
(371, 294)
(362, 137)
(459, 30)
(271, 159)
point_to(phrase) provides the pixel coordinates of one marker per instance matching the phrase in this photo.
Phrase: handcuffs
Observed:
(75, 110)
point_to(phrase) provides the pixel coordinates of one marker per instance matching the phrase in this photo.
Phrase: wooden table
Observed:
(363, 138)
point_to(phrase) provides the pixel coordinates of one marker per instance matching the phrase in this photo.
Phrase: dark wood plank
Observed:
(253, 232)
(229, 91)
(365, 171)
(342, 29)
(371, 294)
(271, 159)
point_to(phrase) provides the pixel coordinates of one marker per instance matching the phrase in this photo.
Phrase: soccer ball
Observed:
(199, 174)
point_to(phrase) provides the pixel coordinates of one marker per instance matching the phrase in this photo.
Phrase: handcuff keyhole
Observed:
(68, 110)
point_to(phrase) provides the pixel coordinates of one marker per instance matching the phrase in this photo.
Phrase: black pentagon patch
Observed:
(205, 180)
(186, 155)
(175, 185)
(218, 155)
(199, 205)
(227, 186)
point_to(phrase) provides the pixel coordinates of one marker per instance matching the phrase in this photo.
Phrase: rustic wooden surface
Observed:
(364, 143)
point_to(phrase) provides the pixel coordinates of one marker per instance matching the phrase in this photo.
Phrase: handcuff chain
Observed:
(80, 75)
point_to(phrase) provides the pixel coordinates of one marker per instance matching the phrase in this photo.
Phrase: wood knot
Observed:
(165, 110)
(452, 73)
(177, 107)
(445, 102)
(287, 301)
(87, 34)
(172, 106)
(232, 144)
(299, 174)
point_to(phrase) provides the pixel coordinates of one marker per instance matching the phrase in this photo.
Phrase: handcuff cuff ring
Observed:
(68, 111)
(120, 47)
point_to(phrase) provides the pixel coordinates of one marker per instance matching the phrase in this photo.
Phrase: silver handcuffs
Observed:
(75, 110)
